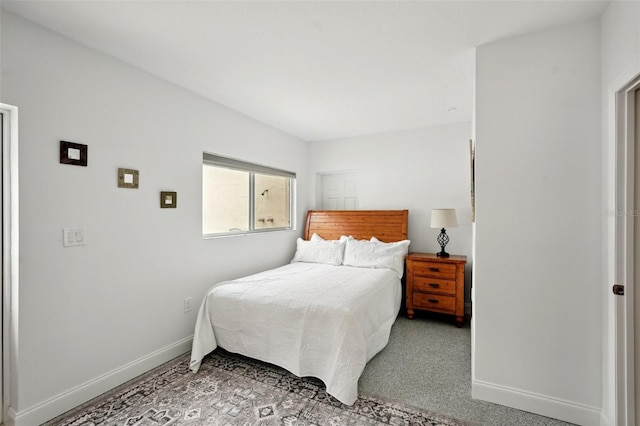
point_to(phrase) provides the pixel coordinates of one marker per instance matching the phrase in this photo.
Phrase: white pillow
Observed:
(330, 252)
(403, 242)
(376, 254)
(316, 237)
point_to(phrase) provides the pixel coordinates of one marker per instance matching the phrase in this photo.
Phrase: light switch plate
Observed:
(72, 237)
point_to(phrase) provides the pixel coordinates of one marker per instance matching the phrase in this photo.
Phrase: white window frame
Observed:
(253, 169)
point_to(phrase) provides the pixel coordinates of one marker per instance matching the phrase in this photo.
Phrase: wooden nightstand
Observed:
(436, 284)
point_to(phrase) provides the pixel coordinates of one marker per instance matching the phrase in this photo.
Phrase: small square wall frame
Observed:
(73, 153)
(168, 200)
(128, 178)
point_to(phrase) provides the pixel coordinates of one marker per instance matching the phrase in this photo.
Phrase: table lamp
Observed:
(443, 218)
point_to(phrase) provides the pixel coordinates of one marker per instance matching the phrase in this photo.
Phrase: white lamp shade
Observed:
(443, 218)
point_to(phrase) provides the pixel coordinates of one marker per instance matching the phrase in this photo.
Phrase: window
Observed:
(240, 197)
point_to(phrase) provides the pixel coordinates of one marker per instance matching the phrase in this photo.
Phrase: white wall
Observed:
(537, 291)
(620, 64)
(419, 170)
(115, 306)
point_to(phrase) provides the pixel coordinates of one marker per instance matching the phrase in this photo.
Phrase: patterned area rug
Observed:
(233, 390)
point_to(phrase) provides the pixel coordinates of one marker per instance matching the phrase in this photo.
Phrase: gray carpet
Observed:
(427, 364)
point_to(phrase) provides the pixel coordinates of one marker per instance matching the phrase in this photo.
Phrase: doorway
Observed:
(626, 256)
(636, 289)
(339, 191)
(2, 139)
(10, 241)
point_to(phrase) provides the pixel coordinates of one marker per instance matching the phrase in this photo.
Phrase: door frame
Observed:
(624, 253)
(10, 259)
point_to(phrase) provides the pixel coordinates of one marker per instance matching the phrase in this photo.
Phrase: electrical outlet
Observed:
(187, 305)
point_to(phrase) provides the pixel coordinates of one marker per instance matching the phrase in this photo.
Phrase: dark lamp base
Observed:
(443, 239)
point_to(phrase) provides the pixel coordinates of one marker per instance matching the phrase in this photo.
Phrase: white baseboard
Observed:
(544, 405)
(10, 417)
(80, 394)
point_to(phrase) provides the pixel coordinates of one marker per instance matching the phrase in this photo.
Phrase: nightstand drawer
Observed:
(434, 302)
(434, 285)
(434, 269)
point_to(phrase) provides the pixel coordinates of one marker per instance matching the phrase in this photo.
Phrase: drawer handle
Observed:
(434, 285)
(434, 269)
(433, 300)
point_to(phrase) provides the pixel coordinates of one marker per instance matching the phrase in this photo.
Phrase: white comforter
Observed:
(312, 319)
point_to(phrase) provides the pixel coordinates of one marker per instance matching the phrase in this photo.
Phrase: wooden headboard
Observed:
(385, 225)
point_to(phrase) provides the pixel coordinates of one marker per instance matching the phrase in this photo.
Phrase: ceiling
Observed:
(315, 69)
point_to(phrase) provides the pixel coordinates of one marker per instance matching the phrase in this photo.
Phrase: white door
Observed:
(340, 191)
(636, 288)
(2, 139)
(10, 247)
(626, 257)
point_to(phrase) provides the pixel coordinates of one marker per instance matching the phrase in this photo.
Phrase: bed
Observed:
(327, 313)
